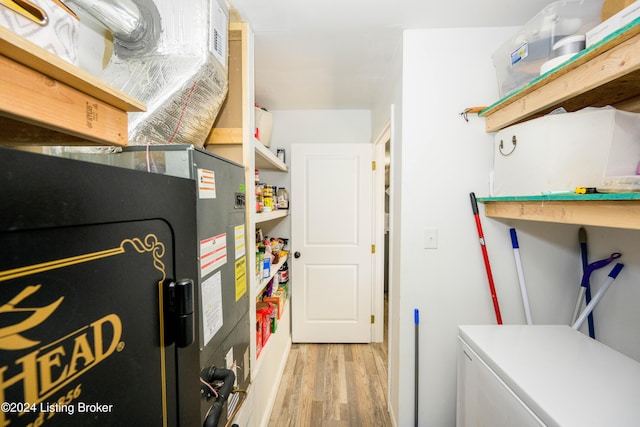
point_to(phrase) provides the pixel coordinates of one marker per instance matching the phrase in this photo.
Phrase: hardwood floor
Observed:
(333, 385)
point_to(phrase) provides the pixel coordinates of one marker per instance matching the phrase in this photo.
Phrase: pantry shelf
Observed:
(274, 270)
(277, 340)
(269, 216)
(43, 95)
(617, 210)
(265, 159)
(607, 73)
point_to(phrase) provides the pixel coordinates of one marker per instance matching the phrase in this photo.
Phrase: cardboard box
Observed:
(613, 24)
(278, 302)
(267, 311)
(259, 343)
(611, 7)
(560, 152)
(264, 126)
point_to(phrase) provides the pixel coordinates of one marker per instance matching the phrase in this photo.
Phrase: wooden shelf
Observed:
(607, 73)
(224, 136)
(604, 210)
(40, 90)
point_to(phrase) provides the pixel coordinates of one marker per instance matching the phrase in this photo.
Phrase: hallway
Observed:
(333, 385)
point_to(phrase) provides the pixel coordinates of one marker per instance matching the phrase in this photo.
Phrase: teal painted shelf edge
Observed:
(579, 55)
(563, 197)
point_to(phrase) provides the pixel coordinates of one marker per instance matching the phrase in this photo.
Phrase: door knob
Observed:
(296, 254)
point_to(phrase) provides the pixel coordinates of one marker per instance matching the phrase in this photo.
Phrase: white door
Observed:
(331, 234)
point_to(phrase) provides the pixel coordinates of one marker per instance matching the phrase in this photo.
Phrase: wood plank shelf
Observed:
(607, 73)
(619, 210)
(42, 93)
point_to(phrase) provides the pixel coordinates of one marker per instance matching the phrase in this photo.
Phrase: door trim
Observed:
(377, 300)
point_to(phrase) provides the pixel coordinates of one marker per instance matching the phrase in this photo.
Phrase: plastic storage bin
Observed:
(518, 60)
(560, 152)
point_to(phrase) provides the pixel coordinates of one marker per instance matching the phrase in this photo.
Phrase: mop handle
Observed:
(598, 296)
(485, 255)
(585, 292)
(416, 318)
(576, 310)
(523, 284)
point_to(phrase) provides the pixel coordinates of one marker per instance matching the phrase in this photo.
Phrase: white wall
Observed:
(438, 159)
(320, 126)
(443, 158)
(312, 126)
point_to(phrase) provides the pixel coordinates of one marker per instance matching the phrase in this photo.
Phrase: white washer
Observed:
(543, 375)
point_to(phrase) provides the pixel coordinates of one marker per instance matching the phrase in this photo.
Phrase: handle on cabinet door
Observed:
(181, 307)
(296, 254)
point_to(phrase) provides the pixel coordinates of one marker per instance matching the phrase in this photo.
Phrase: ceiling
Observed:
(338, 54)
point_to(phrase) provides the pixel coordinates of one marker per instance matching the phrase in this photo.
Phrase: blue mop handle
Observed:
(616, 270)
(416, 318)
(598, 296)
(514, 238)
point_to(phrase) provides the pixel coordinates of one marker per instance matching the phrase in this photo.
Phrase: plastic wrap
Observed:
(177, 67)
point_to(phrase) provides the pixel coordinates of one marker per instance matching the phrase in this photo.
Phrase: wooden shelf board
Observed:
(29, 96)
(608, 70)
(566, 196)
(30, 55)
(220, 136)
(604, 210)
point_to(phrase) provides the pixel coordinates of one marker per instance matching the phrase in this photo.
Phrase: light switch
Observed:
(430, 238)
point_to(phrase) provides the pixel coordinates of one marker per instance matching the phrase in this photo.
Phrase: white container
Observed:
(518, 60)
(542, 375)
(264, 126)
(560, 152)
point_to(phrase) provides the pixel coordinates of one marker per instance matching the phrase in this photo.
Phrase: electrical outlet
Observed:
(430, 238)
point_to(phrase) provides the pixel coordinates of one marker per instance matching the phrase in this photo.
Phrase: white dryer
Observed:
(543, 375)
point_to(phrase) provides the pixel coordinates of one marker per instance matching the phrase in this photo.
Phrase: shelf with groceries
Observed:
(265, 277)
(272, 276)
(272, 202)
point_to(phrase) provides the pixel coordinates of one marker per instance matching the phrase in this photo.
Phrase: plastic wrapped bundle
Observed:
(171, 56)
(183, 97)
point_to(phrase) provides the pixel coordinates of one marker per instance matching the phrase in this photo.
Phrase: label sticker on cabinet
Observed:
(241, 277)
(211, 306)
(239, 236)
(213, 253)
(206, 184)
